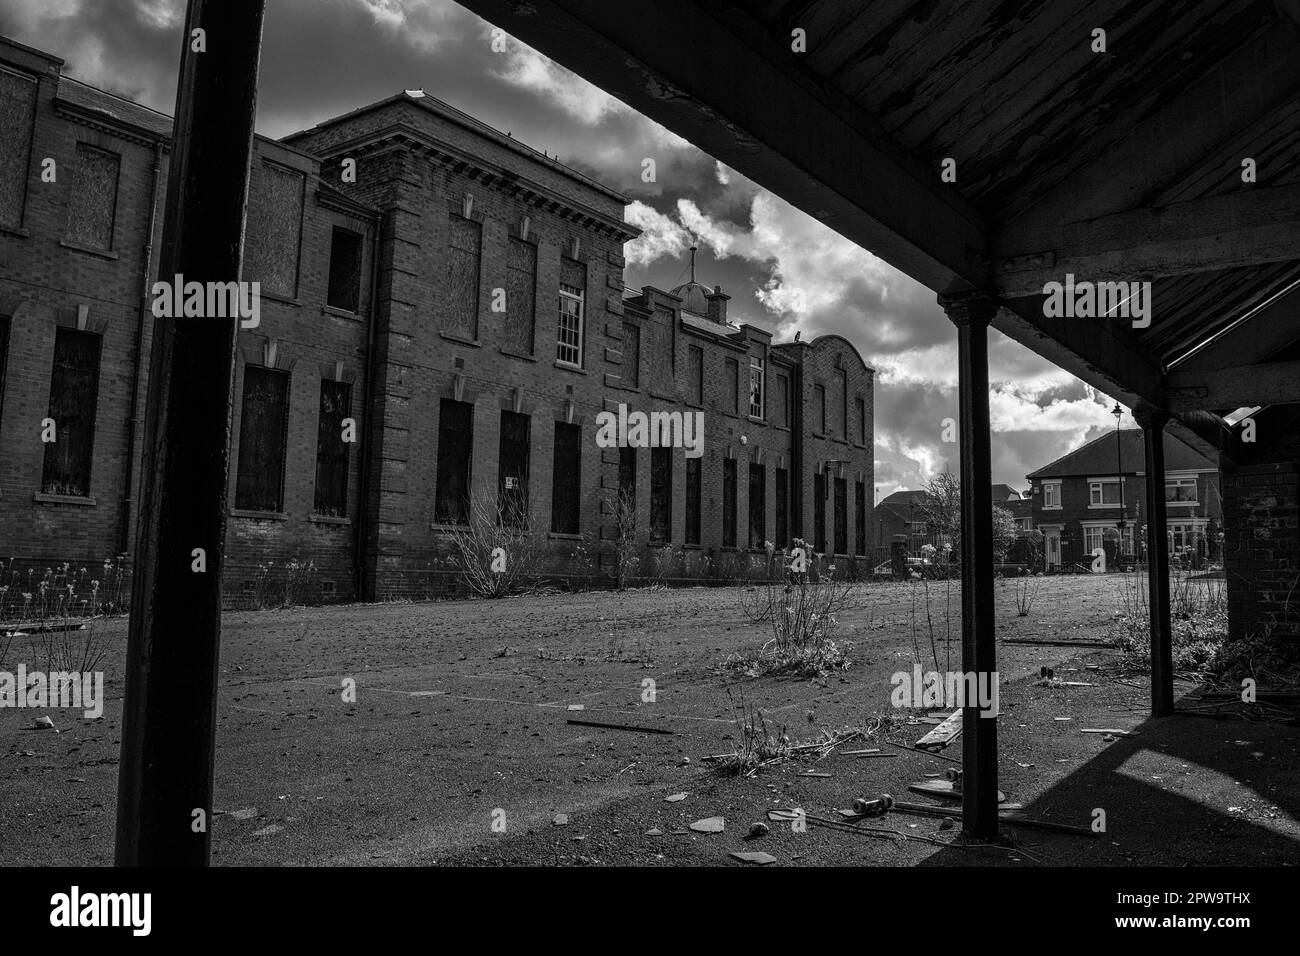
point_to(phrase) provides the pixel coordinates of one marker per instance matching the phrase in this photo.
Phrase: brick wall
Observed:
(1261, 501)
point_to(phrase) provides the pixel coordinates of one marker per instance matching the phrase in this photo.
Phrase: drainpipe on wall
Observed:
(363, 490)
(133, 420)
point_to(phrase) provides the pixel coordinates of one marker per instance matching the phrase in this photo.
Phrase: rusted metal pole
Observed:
(972, 313)
(164, 805)
(1153, 422)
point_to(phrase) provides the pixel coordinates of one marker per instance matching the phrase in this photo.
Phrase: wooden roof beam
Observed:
(780, 126)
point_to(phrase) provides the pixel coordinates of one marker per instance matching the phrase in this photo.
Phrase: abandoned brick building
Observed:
(456, 294)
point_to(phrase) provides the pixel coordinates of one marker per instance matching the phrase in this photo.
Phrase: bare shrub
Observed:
(299, 577)
(497, 550)
(801, 613)
(74, 649)
(627, 558)
(760, 742)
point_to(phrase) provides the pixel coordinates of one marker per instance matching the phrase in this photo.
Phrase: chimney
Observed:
(717, 300)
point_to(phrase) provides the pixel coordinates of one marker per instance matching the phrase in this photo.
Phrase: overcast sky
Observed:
(783, 270)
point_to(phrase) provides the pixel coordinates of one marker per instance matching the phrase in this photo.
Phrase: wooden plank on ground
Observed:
(944, 734)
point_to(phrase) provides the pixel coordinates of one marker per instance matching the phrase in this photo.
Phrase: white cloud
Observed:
(661, 235)
(524, 67)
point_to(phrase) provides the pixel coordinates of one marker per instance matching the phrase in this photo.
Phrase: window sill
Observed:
(518, 355)
(693, 547)
(758, 420)
(566, 367)
(341, 313)
(43, 498)
(277, 297)
(1051, 507)
(563, 536)
(447, 528)
(729, 549)
(16, 232)
(461, 339)
(258, 515)
(328, 519)
(89, 250)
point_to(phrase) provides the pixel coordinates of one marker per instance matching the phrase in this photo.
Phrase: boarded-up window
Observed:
(842, 403)
(860, 518)
(661, 494)
(92, 199)
(74, 386)
(841, 516)
(17, 116)
(463, 257)
(627, 472)
(783, 401)
(819, 409)
(731, 387)
(274, 229)
(729, 503)
(695, 368)
(573, 295)
(332, 450)
(819, 513)
(345, 271)
(631, 355)
(566, 484)
(861, 408)
(693, 493)
(262, 424)
(662, 364)
(455, 442)
(4, 360)
(782, 508)
(757, 505)
(512, 470)
(521, 297)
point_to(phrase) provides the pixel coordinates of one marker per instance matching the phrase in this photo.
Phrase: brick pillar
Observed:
(971, 313)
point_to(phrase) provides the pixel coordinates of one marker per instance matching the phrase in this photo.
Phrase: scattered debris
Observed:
(870, 756)
(928, 753)
(560, 820)
(577, 707)
(757, 830)
(944, 789)
(874, 807)
(812, 773)
(709, 825)
(246, 814)
(944, 734)
(859, 753)
(640, 730)
(44, 723)
(674, 797)
(1116, 733)
(654, 831)
(785, 815)
(762, 859)
(267, 831)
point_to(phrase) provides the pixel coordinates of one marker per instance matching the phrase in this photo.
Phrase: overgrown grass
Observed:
(760, 741)
(1198, 614)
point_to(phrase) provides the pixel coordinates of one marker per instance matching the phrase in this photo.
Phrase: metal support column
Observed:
(1153, 422)
(164, 805)
(972, 313)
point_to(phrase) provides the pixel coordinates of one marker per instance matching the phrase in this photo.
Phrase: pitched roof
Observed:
(1100, 456)
(905, 498)
(114, 108)
(1004, 493)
